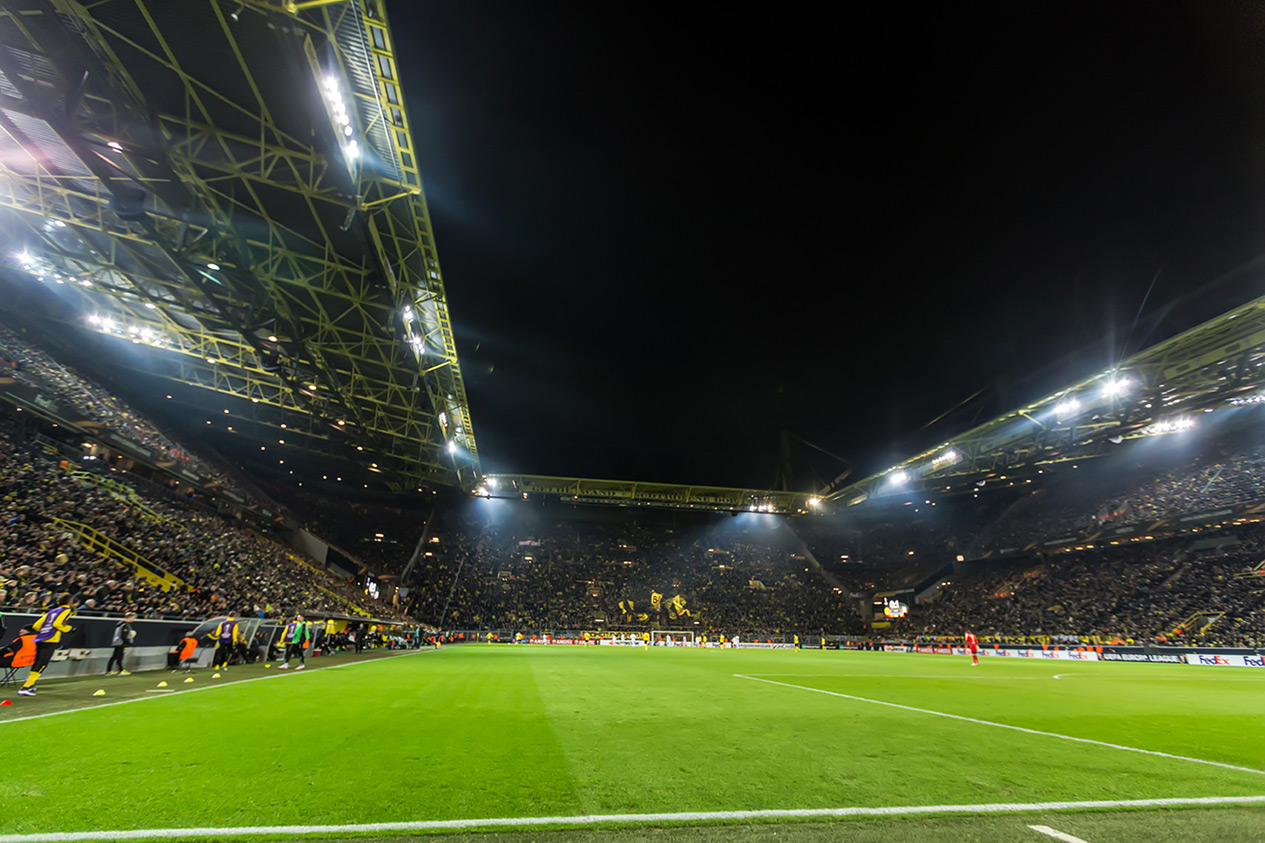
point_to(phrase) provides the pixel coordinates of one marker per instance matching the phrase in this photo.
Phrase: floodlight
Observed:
(452, 447)
(814, 501)
(898, 478)
(1114, 387)
(1066, 408)
(213, 266)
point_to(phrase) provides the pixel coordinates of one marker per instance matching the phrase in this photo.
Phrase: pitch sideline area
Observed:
(650, 741)
(68, 694)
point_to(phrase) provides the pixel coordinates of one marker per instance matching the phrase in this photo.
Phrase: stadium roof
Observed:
(233, 187)
(1158, 391)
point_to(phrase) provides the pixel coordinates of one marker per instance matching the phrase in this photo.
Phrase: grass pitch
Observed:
(504, 731)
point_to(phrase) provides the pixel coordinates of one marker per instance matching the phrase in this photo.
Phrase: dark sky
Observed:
(670, 232)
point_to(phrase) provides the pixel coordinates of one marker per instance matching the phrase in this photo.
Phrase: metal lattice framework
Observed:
(658, 495)
(1219, 364)
(235, 185)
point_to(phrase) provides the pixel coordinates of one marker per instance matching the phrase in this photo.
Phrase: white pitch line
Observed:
(624, 819)
(182, 692)
(1023, 729)
(1057, 835)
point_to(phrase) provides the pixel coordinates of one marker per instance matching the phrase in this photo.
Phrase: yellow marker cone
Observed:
(99, 694)
(216, 676)
(267, 665)
(162, 684)
(187, 681)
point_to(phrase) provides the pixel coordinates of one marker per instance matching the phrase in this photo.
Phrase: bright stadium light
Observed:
(814, 502)
(898, 478)
(1114, 387)
(1066, 408)
(452, 447)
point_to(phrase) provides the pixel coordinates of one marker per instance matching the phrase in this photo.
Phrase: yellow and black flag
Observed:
(678, 607)
(656, 601)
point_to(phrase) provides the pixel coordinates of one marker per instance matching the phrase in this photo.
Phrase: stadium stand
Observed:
(192, 564)
(29, 363)
(1158, 592)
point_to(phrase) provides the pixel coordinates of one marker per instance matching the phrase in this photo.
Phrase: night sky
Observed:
(669, 233)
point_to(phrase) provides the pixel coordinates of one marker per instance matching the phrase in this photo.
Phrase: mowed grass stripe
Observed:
(704, 740)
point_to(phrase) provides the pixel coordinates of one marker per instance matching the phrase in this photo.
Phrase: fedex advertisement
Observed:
(1225, 661)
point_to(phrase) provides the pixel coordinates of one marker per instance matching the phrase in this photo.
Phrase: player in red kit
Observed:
(972, 644)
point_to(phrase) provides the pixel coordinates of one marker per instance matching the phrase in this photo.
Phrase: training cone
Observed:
(162, 684)
(267, 665)
(6, 702)
(98, 693)
(187, 681)
(216, 676)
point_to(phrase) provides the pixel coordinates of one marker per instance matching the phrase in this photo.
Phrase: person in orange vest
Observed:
(182, 653)
(20, 652)
(48, 632)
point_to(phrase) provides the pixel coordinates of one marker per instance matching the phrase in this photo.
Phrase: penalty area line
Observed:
(623, 819)
(180, 692)
(1023, 729)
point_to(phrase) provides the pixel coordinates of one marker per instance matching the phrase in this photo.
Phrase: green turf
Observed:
(508, 731)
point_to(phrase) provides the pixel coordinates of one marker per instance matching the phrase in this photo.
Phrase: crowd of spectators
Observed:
(576, 574)
(1225, 474)
(1138, 592)
(224, 566)
(32, 365)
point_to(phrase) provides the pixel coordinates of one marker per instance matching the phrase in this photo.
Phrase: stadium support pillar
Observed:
(417, 551)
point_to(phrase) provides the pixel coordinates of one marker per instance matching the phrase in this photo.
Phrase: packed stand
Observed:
(1141, 593)
(32, 365)
(576, 575)
(225, 566)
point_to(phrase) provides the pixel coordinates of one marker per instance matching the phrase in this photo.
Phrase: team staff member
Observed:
(19, 653)
(124, 635)
(226, 636)
(297, 636)
(48, 632)
(182, 653)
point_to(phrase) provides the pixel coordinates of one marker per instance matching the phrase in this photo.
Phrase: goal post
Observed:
(672, 637)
